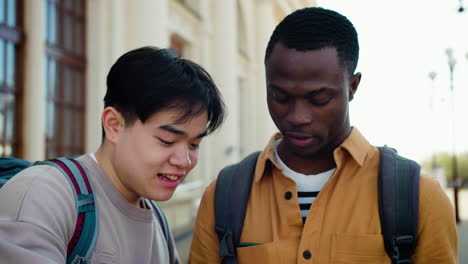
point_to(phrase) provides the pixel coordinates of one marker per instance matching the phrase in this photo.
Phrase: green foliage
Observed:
(445, 161)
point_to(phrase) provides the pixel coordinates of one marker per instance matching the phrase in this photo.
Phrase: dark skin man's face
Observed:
(308, 94)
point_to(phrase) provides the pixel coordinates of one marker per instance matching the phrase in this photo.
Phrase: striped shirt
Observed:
(308, 186)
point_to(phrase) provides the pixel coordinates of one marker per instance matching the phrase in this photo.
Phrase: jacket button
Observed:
(288, 195)
(307, 254)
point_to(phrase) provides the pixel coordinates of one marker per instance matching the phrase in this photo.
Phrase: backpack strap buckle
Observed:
(401, 249)
(226, 243)
(403, 241)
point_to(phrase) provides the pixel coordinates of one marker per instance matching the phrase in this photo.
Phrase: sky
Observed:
(401, 42)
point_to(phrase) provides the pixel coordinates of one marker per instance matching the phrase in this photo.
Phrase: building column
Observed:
(225, 75)
(34, 80)
(147, 23)
(265, 24)
(96, 71)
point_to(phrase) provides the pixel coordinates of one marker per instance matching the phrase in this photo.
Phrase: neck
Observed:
(104, 159)
(315, 164)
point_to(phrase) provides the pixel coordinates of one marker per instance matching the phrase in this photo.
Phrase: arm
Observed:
(37, 217)
(437, 233)
(205, 244)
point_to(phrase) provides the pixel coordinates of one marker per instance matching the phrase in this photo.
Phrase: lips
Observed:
(169, 180)
(299, 139)
(169, 177)
(298, 135)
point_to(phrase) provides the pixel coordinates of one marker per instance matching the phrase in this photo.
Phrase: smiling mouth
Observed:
(169, 177)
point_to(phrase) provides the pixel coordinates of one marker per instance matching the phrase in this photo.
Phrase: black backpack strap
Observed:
(398, 187)
(231, 195)
(162, 220)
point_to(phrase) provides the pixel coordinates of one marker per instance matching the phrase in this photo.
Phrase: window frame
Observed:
(13, 34)
(67, 59)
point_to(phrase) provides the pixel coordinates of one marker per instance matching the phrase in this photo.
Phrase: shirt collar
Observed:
(355, 145)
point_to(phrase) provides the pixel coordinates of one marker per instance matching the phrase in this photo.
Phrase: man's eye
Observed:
(320, 100)
(279, 97)
(165, 142)
(194, 146)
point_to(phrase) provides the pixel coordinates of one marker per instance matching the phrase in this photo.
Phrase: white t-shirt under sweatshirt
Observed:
(308, 186)
(38, 217)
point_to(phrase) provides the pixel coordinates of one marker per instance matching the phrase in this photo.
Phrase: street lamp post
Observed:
(432, 75)
(452, 62)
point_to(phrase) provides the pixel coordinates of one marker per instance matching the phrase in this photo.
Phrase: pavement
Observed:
(463, 241)
(463, 225)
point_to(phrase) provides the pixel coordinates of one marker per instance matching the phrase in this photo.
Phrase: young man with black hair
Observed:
(314, 193)
(158, 108)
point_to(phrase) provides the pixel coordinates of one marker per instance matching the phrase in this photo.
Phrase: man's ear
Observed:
(113, 124)
(353, 84)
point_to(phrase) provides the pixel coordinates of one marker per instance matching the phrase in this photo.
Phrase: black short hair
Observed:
(314, 28)
(149, 79)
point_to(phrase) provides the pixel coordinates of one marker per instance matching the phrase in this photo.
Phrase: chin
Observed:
(160, 196)
(308, 152)
(305, 154)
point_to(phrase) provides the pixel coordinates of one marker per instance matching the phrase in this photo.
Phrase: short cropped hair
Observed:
(147, 80)
(314, 28)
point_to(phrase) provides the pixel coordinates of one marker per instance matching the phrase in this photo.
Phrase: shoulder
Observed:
(38, 191)
(437, 233)
(431, 191)
(209, 193)
(34, 179)
(434, 204)
(37, 210)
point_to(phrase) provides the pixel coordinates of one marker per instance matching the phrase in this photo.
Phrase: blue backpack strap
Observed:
(231, 196)
(10, 166)
(84, 237)
(161, 218)
(398, 186)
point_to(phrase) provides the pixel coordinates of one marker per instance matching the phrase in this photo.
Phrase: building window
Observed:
(192, 5)
(244, 116)
(65, 64)
(10, 40)
(241, 33)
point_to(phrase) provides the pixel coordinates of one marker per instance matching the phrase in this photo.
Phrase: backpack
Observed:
(84, 237)
(398, 188)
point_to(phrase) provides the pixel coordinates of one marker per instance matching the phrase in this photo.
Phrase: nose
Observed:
(299, 113)
(181, 158)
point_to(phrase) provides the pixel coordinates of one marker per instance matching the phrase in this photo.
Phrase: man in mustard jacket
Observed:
(314, 195)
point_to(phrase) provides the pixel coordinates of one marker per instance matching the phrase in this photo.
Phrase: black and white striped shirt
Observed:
(308, 186)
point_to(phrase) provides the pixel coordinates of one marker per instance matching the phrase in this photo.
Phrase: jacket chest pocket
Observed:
(272, 252)
(356, 248)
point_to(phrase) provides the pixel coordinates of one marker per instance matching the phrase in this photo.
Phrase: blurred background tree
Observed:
(444, 160)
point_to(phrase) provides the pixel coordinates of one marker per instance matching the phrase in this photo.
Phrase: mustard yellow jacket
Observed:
(343, 225)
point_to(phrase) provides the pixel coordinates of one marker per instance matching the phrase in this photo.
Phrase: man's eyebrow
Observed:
(179, 132)
(276, 87)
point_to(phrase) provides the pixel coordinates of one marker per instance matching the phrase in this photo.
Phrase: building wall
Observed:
(226, 37)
